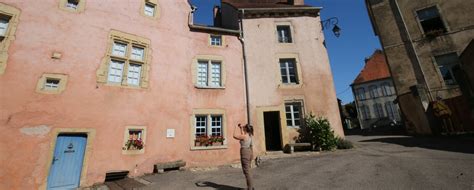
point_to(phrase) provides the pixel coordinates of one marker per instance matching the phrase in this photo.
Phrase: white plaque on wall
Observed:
(170, 133)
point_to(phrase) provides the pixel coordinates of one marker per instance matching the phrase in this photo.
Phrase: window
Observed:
(446, 63)
(360, 93)
(365, 112)
(209, 73)
(374, 91)
(4, 26)
(293, 114)
(430, 20)
(134, 140)
(288, 71)
(149, 9)
(284, 34)
(51, 83)
(9, 18)
(391, 111)
(72, 4)
(378, 111)
(208, 129)
(216, 40)
(126, 63)
(387, 89)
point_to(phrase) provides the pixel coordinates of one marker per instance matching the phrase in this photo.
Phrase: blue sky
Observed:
(346, 53)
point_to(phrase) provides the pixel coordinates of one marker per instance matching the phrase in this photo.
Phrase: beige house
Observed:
(422, 41)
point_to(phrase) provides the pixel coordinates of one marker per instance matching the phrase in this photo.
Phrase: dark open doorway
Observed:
(272, 130)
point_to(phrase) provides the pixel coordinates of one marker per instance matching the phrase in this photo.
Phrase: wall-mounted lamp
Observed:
(329, 22)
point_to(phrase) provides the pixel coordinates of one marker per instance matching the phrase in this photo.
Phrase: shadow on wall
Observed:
(462, 144)
(216, 186)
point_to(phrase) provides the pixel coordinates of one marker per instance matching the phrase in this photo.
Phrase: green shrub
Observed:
(319, 133)
(344, 144)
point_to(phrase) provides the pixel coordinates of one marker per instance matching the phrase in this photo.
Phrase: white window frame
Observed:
(215, 40)
(209, 76)
(285, 71)
(387, 89)
(132, 58)
(208, 124)
(149, 9)
(51, 85)
(292, 112)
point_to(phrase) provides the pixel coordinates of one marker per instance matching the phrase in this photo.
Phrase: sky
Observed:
(346, 53)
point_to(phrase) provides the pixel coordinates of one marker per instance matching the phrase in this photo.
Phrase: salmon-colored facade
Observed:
(76, 48)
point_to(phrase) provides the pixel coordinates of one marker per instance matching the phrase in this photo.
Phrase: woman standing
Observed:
(244, 135)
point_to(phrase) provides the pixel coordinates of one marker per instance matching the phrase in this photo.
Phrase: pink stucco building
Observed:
(128, 84)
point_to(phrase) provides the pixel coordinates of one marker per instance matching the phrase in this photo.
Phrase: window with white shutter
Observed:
(209, 73)
(127, 61)
(137, 53)
(115, 71)
(119, 49)
(134, 74)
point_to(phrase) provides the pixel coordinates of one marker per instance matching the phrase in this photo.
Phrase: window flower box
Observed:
(209, 141)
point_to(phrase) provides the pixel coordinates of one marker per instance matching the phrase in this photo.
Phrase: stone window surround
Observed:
(223, 41)
(126, 137)
(292, 32)
(80, 7)
(61, 86)
(212, 58)
(193, 131)
(299, 73)
(420, 27)
(102, 72)
(14, 15)
(157, 9)
(436, 67)
(293, 99)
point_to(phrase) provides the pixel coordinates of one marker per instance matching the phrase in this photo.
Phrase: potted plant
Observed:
(134, 143)
(217, 140)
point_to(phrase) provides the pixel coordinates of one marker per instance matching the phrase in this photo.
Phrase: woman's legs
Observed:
(246, 161)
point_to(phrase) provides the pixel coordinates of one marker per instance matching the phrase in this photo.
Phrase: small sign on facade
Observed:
(170, 133)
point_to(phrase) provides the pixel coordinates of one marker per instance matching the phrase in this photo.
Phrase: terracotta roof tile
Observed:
(375, 68)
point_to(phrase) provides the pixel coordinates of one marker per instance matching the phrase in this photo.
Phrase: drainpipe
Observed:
(414, 50)
(242, 41)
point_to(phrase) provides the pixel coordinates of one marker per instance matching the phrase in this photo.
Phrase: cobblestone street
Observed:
(377, 162)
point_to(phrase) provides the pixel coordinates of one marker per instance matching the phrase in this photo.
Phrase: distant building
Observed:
(422, 41)
(374, 93)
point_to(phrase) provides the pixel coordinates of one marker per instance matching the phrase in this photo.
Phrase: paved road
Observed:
(377, 162)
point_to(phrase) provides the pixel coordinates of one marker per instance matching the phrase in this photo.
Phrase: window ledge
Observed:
(209, 87)
(124, 86)
(133, 152)
(290, 86)
(293, 127)
(209, 147)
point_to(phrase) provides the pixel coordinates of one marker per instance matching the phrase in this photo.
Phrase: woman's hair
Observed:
(249, 129)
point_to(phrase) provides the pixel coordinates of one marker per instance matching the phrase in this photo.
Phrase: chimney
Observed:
(296, 2)
(217, 16)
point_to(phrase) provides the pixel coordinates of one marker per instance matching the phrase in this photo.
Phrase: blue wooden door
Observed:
(65, 172)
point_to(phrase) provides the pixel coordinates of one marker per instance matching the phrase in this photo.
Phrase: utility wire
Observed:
(344, 91)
